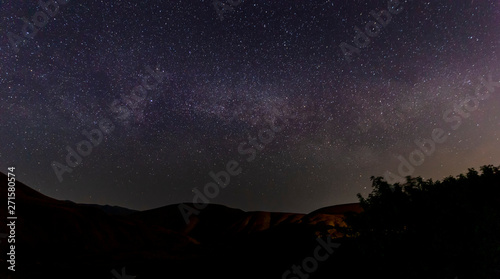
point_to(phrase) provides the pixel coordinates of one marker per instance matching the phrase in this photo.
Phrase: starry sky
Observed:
(215, 76)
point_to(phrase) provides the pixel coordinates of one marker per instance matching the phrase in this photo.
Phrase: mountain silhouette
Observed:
(56, 239)
(418, 229)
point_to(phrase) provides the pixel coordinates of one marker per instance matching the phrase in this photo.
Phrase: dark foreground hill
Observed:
(418, 229)
(56, 239)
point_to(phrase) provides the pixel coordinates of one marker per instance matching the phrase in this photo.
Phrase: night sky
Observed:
(187, 88)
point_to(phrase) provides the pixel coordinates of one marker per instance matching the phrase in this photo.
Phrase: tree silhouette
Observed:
(427, 229)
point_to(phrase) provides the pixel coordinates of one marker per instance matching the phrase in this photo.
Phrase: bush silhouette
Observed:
(427, 229)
